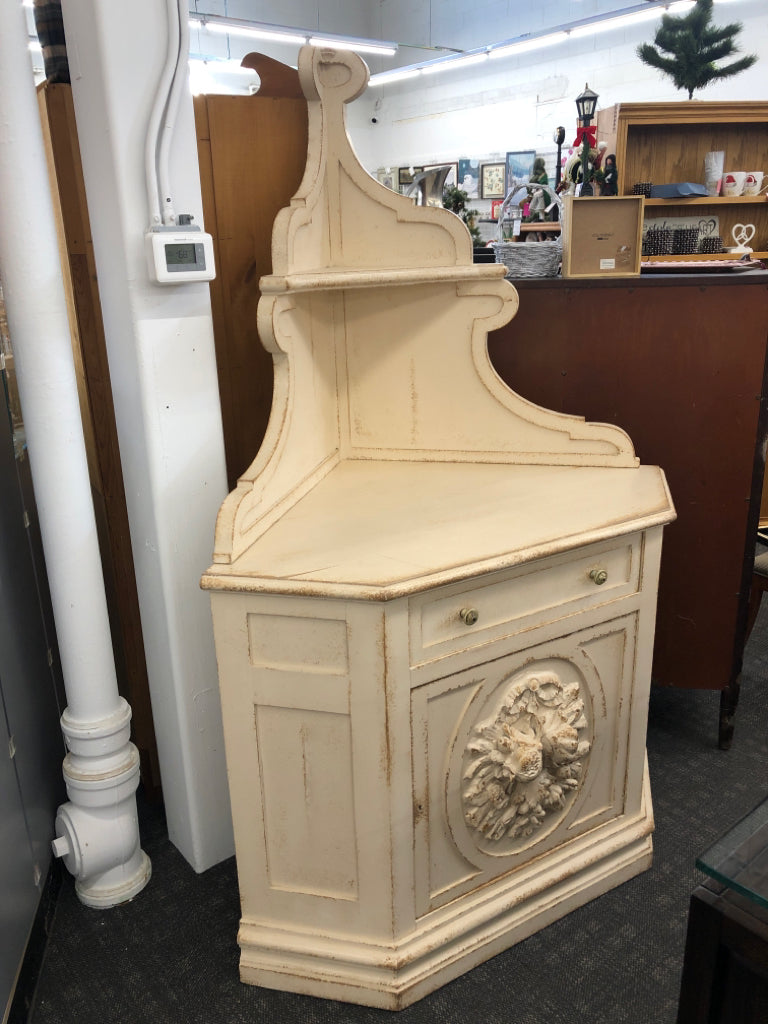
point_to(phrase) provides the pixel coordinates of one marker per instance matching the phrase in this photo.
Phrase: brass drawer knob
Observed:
(598, 576)
(469, 616)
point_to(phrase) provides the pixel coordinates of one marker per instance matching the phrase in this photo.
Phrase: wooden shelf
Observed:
(668, 142)
(337, 280)
(707, 201)
(698, 257)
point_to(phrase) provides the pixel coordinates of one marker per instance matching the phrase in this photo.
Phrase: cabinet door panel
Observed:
(521, 756)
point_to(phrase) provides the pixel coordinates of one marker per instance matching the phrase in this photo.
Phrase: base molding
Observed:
(392, 977)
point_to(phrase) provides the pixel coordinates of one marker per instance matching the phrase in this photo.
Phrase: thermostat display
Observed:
(175, 257)
(183, 255)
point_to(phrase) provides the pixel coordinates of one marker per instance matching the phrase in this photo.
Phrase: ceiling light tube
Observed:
(451, 63)
(524, 45)
(386, 77)
(255, 32)
(358, 45)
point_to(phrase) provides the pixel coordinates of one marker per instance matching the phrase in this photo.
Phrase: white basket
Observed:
(530, 259)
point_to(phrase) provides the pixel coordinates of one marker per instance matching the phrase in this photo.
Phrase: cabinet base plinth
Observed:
(395, 976)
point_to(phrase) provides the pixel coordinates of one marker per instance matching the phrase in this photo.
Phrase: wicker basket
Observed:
(530, 259)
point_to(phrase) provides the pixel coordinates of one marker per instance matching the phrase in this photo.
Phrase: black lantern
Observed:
(585, 105)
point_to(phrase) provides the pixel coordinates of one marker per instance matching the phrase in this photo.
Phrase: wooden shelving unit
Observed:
(667, 142)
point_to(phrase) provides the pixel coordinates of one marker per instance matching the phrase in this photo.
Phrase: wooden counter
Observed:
(678, 361)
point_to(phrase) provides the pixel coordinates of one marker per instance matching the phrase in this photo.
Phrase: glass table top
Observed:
(739, 859)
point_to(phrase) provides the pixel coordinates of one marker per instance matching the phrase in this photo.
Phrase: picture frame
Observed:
(519, 166)
(453, 174)
(387, 177)
(405, 175)
(602, 237)
(469, 177)
(493, 177)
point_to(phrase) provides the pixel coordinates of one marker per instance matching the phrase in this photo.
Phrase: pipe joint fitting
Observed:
(97, 738)
(97, 835)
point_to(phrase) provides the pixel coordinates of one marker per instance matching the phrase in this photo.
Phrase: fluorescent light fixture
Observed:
(274, 35)
(387, 77)
(536, 43)
(608, 24)
(286, 34)
(451, 63)
(358, 45)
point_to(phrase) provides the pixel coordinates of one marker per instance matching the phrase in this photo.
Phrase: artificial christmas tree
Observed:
(694, 45)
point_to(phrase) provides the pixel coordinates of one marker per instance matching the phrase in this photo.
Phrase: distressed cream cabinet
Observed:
(433, 605)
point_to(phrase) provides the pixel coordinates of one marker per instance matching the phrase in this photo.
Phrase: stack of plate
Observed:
(658, 242)
(686, 241)
(712, 243)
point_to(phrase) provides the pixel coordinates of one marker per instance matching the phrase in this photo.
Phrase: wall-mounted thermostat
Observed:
(177, 255)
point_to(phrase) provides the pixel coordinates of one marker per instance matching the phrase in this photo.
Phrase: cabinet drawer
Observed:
(458, 617)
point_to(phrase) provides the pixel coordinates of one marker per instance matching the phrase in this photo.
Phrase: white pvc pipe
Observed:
(153, 183)
(96, 721)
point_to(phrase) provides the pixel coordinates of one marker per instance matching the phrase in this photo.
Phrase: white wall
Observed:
(512, 103)
(517, 103)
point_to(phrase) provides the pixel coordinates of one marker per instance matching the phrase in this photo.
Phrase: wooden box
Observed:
(602, 237)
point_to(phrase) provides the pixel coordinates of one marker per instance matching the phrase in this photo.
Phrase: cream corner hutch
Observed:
(433, 604)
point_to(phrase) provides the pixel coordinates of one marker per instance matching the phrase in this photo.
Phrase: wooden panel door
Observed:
(252, 153)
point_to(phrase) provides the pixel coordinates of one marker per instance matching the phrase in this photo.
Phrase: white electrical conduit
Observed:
(173, 78)
(156, 115)
(169, 121)
(97, 831)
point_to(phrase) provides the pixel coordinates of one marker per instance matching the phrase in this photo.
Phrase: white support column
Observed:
(165, 389)
(98, 829)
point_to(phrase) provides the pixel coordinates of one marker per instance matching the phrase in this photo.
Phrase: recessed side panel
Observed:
(298, 643)
(305, 760)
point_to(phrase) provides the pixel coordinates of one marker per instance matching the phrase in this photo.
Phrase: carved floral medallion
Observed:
(522, 765)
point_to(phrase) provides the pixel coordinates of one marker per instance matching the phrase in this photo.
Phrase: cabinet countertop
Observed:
(379, 530)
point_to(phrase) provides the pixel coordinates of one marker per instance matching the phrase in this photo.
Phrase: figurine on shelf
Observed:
(537, 207)
(539, 198)
(610, 184)
(539, 173)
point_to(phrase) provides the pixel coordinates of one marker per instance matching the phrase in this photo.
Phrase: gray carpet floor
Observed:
(170, 956)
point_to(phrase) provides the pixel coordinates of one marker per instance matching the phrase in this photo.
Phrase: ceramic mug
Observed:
(733, 182)
(753, 183)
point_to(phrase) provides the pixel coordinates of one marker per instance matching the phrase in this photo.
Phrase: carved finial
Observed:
(333, 76)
